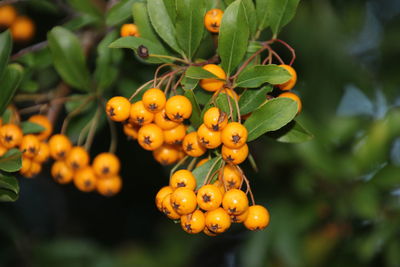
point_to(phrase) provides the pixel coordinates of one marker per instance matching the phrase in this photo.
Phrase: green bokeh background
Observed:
(334, 201)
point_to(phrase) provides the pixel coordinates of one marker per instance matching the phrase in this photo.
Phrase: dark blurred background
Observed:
(334, 201)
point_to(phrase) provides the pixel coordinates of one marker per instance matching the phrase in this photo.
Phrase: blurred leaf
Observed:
(251, 99)
(79, 22)
(349, 107)
(222, 101)
(142, 20)
(250, 15)
(79, 122)
(86, 7)
(195, 118)
(190, 25)
(6, 116)
(280, 13)
(395, 152)
(271, 116)
(293, 132)
(262, 14)
(31, 127)
(365, 201)
(198, 73)
(9, 83)
(11, 161)
(233, 37)
(9, 188)
(200, 173)
(68, 58)
(5, 50)
(257, 75)
(120, 12)
(79, 100)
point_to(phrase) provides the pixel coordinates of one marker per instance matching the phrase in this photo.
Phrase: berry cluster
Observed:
(22, 28)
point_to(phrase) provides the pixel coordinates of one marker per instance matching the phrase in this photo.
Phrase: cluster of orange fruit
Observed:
(22, 28)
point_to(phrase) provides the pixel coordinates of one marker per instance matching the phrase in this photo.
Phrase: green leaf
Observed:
(233, 37)
(142, 20)
(200, 173)
(120, 12)
(198, 73)
(257, 75)
(68, 58)
(86, 7)
(251, 15)
(190, 25)
(5, 50)
(80, 22)
(9, 188)
(189, 83)
(262, 14)
(280, 13)
(9, 83)
(11, 161)
(203, 96)
(154, 49)
(31, 127)
(251, 99)
(195, 118)
(222, 103)
(171, 6)
(162, 23)
(271, 116)
(293, 132)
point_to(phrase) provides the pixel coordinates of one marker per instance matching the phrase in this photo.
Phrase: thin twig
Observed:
(178, 165)
(32, 48)
(291, 49)
(75, 112)
(92, 130)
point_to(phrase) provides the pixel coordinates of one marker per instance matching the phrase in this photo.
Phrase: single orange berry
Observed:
(175, 135)
(129, 29)
(77, 158)
(181, 152)
(201, 162)
(61, 172)
(215, 119)
(106, 165)
(150, 137)
(43, 153)
(193, 223)
(234, 135)
(109, 186)
(139, 114)
(293, 97)
(235, 156)
(183, 200)
(218, 220)
(191, 145)
(161, 194)
(167, 208)
(45, 123)
(235, 202)
(22, 29)
(162, 121)
(212, 20)
(231, 177)
(166, 154)
(60, 145)
(213, 84)
(240, 217)
(118, 108)
(34, 169)
(257, 219)
(208, 138)
(178, 108)
(209, 197)
(10, 135)
(292, 82)
(85, 179)
(29, 145)
(183, 178)
(154, 100)
(131, 130)
(7, 15)
(26, 165)
(220, 186)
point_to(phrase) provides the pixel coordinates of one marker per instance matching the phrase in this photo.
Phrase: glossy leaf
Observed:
(120, 12)
(233, 37)
(200, 173)
(280, 13)
(251, 15)
(9, 83)
(31, 127)
(189, 83)
(5, 50)
(198, 73)
(68, 58)
(271, 116)
(251, 99)
(11, 161)
(257, 75)
(142, 20)
(195, 118)
(262, 14)
(9, 188)
(224, 103)
(293, 132)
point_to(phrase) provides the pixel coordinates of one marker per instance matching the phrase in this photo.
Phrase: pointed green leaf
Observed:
(120, 12)
(257, 75)
(9, 83)
(189, 83)
(195, 118)
(11, 161)
(262, 14)
(142, 20)
(198, 73)
(200, 173)
(280, 13)
(9, 188)
(251, 15)
(31, 127)
(293, 132)
(86, 7)
(5, 50)
(225, 102)
(251, 99)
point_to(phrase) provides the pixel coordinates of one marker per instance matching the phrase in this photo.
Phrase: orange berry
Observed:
(235, 156)
(161, 194)
(129, 29)
(201, 162)
(34, 169)
(209, 232)
(29, 145)
(235, 202)
(183, 178)
(154, 100)
(166, 154)
(26, 165)
(231, 177)
(193, 223)
(118, 108)
(85, 179)
(60, 145)
(212, 84)
(191, 145)
(178, 108)
(150, 137)
(131, 130)
(209, 197)
(292, 82)
(218, 220)
(77, 158)
(61, 172)
(175, 135)
(45, 123)
(208, 138)
(43, 153)
(293, 97)
(257, 219)
(22, 29)
(183, 200)
(167, 208)
(7, 15)
(234, 135)
(10, 135)
(220, 186)
(109, 186)
(240, 217)
(139, 114)
(106, 165)
(215, 119)
(161, 120)
(212, 20)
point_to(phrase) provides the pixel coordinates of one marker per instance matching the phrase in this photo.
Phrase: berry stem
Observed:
(218, 159)
(114, 138)
(248, 188)
(158, 70)
(247, 62)
(178, 165)
(192, 164)
(92, 129)
(291, 49)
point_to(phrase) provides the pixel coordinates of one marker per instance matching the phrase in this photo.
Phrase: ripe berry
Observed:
(212, 20)
(22, 29)
(209, 232)
(77, 158)
(215, 119)
(34, 169)
(257, 219)
(60, 145)
(208, 138)
(118, 108)
(154, 100)
(178, 108)
(106, 165)
(183, 178)
(183, 200)
(234, 135)
(29, 146)
(212, 84)
(43, 153)
(218, 220)
(161, 194)
(235, 202)
(85, 179)
(61, 172)
(10, 135)
(109, 186)
(131, 130)
(201, 162)
(167, 209)
(166, 154)
(231, 177)
(129, 29)
(293, 97)
(235, 156)
(45, 123)
(193, 223)
(161, 120)
(220, 186)
(150, 137)
(175, 135)
(7, 15)
(240, 217)
(26, 165)
(139, 114)
(191, 145)
(292, 82)
(209, 197)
